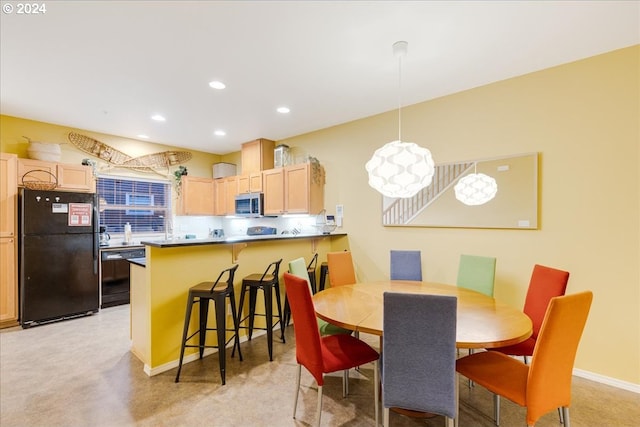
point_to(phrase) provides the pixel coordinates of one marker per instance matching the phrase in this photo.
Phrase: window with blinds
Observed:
(144, 204)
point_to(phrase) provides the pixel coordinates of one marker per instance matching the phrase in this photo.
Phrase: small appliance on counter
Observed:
(261, 231)
(104, 236)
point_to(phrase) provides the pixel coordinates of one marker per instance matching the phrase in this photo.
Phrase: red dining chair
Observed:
(546, 383)
(323, 355)
(545, 283)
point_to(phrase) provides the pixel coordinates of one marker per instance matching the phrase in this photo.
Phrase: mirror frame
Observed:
(515, 205)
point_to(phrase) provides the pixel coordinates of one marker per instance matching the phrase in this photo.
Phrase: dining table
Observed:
(482, 321)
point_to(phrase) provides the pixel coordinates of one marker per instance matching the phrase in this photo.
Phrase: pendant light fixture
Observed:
(476, 189)
(400, 169)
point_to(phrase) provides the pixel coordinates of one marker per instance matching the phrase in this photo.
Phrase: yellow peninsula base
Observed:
(159, 288)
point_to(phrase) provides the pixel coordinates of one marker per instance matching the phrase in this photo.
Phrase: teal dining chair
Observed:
(477, 273)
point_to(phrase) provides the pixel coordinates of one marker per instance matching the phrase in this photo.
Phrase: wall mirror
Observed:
(514, 206)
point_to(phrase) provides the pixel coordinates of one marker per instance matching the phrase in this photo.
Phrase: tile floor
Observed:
(80, 373)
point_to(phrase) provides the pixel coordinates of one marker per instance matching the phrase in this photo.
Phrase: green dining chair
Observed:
(298, 267)
(477, 273)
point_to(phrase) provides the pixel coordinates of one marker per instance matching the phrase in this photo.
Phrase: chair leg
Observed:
(204, 314)
(236, 326)
(345, 383)
(280, 316)
(560, 416)
(221, 329)
(185, 331)
(253, 292)
(565, 416)
(241, 305)
(457, 398)
(496, 408)
(319, 406)
(376, 391)
(385, 417)
(268, 306)
(295, 399)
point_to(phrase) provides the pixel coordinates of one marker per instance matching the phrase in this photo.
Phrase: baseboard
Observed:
(191, 357)
(613, 382)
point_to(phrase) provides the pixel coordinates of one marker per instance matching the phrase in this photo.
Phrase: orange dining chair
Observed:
(323, 355)
(341, 271)
(545, 384)
(545, 283)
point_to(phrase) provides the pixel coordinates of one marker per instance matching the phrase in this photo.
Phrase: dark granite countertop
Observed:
(142, 262)
(232, 240)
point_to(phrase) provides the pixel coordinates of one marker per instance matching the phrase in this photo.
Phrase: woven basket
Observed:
(35, 183)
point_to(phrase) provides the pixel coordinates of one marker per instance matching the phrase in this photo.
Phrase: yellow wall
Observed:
(582, 117)
(13, 130)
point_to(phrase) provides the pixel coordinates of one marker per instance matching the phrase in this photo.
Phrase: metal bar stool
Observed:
(267, 282)
(217, 292)
(324, 273)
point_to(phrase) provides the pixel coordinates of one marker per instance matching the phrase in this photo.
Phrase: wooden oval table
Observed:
(481, 321)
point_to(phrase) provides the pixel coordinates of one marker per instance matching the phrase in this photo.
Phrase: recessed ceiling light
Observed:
(158, 118)
(283, 110)
(217, 85)
(219, 132)
(143, 136)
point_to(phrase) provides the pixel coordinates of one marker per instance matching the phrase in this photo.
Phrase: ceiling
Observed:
(108, 66)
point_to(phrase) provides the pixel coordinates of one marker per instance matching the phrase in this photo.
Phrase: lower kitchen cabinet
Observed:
(8, 282)
(8, 240)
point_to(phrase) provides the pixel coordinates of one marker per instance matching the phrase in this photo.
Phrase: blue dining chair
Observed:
(406, 265)
(419, 354)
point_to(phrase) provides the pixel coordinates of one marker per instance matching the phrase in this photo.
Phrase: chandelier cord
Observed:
(400, 97)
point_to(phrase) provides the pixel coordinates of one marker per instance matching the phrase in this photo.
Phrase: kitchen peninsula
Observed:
(160, 285)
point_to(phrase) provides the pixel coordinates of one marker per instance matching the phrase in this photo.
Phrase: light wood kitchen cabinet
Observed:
(68, 177)
(197, 196)
(295, 189)
(251, 183)
(273, 188)
(226, 190)
(8, 240)
(257, 155)
(304, 188)
(231, 191)
(220, 204)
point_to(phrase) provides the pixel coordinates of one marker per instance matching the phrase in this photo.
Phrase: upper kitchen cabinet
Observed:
(8, 194)
(68, 177)
(196, 196)
(257, 155)
(226, 190)
(295, 189)
(251, 183)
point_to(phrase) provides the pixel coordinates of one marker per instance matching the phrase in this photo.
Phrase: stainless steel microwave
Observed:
(250, 204)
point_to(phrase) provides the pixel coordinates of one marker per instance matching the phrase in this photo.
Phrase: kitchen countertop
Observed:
(234, 239)
(142, 262)
(118, 246)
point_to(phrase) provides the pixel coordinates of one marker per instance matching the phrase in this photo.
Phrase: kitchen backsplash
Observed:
(200, 226)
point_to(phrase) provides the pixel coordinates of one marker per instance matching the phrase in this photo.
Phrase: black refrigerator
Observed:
(58, 256)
